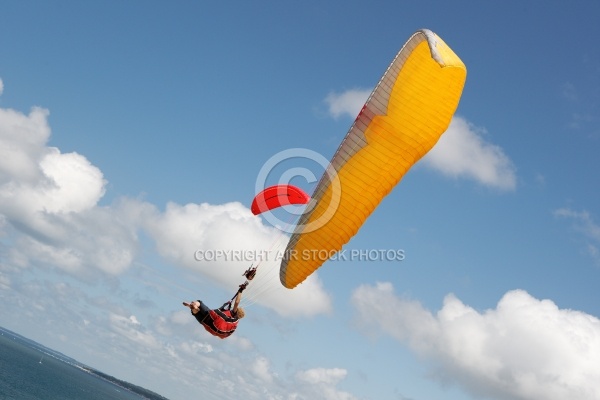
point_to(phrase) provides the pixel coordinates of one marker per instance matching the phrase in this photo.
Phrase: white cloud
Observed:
(463, 152)
(181, 231)
(76, 185)
(131, 329)
(322, 375)
(584, 224)
(524, 349)
(322, 383)
(262, 369)
(1, 86)
(196, 347)
(22, 145)
(307, 299)
(81, 244)
(347, 103)
(67, 183)
(50, 200)
(170, 354)
(51, 221)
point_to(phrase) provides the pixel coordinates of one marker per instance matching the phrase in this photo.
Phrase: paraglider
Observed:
(403, 118)
(223, 321)
(405, 115)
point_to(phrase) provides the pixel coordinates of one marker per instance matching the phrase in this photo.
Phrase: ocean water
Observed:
(29, 371)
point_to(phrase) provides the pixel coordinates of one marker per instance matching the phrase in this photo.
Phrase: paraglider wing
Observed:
(402, 120)
(278, 196)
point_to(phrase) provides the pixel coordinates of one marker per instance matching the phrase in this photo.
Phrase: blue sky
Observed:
(132, 135)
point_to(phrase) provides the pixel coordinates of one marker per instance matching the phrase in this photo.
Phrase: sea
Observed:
(30, 371)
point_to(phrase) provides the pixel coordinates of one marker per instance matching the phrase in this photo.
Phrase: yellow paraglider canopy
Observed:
(404, 117)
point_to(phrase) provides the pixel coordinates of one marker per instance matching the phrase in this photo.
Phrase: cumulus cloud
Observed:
(22, 145)
(51, 221)
(183, 230)
(221, 241)
(524, 349)
(462, 151)
(49, 200)
(38, 179)
(347, 103)
(82, 244)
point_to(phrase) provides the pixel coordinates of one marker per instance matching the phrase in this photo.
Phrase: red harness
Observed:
(220, 322)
